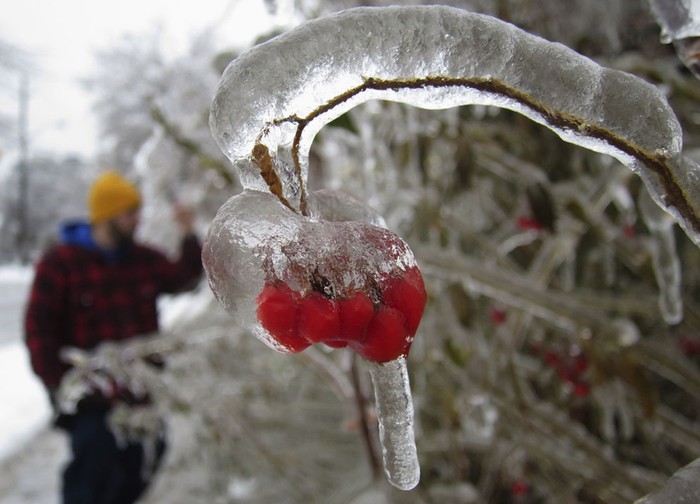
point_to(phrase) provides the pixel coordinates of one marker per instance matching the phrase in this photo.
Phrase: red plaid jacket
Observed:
(80, 298)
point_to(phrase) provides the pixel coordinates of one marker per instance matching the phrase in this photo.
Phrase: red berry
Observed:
(356, 312)
(528, 224)
(580, 363)
(567, 376)
(519, 488)
(278, 310)
(319, 318)
(551, 358)
(689, 346)
(497, 316)
(581, 389)
(386, 337)
(407, 294)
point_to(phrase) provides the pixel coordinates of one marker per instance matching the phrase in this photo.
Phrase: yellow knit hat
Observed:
(110, 195)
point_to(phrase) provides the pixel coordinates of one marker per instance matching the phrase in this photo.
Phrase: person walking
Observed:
(98, 284)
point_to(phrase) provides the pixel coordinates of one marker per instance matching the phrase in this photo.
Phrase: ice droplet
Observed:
(254, 240)
(392, 391)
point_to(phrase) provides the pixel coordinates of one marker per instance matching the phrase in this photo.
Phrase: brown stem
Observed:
(674, 195)
(263, 160)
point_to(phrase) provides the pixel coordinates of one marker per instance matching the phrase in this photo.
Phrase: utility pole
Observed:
(22, 203)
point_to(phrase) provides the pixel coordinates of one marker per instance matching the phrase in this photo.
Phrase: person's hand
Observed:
(184, 217)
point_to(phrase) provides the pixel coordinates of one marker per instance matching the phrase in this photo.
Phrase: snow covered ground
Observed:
(30, 453)
(24, 405)
(31, 474)
(25, 409)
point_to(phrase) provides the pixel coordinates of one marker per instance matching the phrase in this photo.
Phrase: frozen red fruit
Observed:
(355, 314)
(319, 318)
(386, 337)
(278, 313)
(407, 294)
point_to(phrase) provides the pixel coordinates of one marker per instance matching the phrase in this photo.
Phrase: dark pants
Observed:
(102, 471)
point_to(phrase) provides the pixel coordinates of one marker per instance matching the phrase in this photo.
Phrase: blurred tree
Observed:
(55, 193)
(14, 63)
(128, 78)
(153, 116)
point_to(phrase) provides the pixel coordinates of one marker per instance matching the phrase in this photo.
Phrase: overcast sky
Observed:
(62, 36)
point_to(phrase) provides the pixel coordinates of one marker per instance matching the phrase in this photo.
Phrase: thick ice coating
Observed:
(682, 488)
(298, 280)
(679, 19)
(440, 57)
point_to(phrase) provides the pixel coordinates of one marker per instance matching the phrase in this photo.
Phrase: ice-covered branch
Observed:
(441, 57)
(681, 487)
(678, 19)
(288, 268)
(680, 24)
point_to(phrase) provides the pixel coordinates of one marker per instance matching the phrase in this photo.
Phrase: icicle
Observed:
(665, 260)
(394, 404)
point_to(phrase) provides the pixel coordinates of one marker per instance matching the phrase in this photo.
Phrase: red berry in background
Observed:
(551, 358)
(278, 310)
(386, 337)
(528, 224)
(580, 363)
(319, 318)
(519, 488)
(407, 294)
(356, 312)
(690, 346)
(497, 316)
(581, 389)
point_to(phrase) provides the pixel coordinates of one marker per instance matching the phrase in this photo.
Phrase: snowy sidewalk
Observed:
(25, 409)
(31, 475)
(30, 452)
